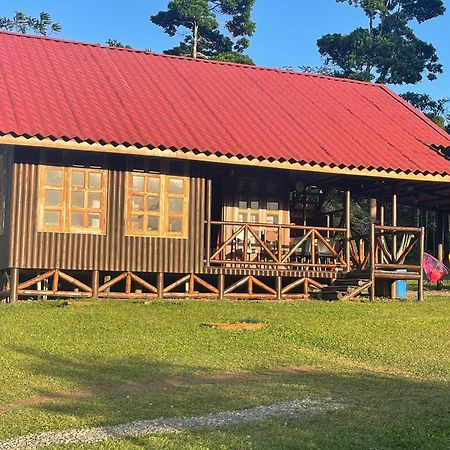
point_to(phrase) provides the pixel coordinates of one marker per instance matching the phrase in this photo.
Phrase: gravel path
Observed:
(172, 425)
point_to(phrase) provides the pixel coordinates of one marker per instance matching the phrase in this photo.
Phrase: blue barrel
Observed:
(400, 286)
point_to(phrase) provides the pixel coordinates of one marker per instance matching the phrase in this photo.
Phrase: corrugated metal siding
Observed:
(4, 238)
(111, 252)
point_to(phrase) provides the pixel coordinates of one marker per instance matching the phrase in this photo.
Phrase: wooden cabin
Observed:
(128, 174)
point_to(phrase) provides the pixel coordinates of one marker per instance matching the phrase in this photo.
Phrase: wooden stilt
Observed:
(95, 283)
(278, 287)
(160, 285)
(13, 296)
(221, 286)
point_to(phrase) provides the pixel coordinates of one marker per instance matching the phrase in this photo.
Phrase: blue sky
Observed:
(287, 30)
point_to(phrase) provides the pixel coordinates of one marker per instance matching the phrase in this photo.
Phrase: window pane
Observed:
(52, 218)
(254, 205)
(175, 186)
(52, 197)
(76, 219)
(272, 218)
(153, 185)
(242, 217)
(242, 205)
(138, 183)
(137, 223)
(77, 200)
(77, 179)
(137, 203)
(254, 218)
(94, 220)
(153, 223)
(153, 204)
(175, 224)
(272, 206)
(94, 200)
(176, 205)
(95, 180)
(54, 177)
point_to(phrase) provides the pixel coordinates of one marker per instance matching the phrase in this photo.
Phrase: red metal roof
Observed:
(63, 89)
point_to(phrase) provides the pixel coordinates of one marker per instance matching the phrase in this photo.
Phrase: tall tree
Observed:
(217, 29)
(388, 50)
(115, 43)
(436, 110)
(21, 23)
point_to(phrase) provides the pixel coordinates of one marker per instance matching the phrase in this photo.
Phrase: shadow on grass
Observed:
(379, 411)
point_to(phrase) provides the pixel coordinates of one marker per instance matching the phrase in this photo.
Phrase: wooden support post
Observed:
(208, 219)
(95, 283)
(373, 210)
(14, 283)
(160, 285)
(279, 286)
(394, 241)
(221, 286)
(422, 249)
(440, 236)
(372, 262)
(348, 231)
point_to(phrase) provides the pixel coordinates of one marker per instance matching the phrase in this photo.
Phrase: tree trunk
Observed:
(195, 43)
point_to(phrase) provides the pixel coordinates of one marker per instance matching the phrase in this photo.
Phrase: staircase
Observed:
(345, 288)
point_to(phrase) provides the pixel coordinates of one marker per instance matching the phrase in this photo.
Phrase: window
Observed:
(157, 205)
(3, 191)
(72, 200)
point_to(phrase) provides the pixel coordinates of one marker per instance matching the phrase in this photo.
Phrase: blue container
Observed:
(400, 286)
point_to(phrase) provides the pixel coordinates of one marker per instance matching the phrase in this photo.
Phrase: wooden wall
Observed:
(114, 251)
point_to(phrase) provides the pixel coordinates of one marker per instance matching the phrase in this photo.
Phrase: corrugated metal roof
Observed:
(64, 89)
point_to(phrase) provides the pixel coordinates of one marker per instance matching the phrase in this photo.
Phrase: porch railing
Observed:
(276, 246)
(394, 248)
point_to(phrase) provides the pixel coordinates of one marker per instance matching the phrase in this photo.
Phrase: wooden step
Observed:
(350, 282)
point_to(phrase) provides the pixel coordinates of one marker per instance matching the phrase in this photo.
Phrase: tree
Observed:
(21, 23)
(206, 37)
(116, 43)
(436, 110)
(388, 50)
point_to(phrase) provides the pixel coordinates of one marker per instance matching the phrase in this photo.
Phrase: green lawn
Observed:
(388, 363)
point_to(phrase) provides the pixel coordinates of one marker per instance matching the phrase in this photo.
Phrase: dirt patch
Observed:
(236, 326)
(172, 382)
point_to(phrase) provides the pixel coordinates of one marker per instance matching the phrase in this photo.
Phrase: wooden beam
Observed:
(348, 229)
(394, 240)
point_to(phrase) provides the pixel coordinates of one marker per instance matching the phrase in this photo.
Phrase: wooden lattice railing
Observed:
(388, 248)
(276, 246)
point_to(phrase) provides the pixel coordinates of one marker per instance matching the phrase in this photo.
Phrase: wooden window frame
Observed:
(65, 208)
(164, 199)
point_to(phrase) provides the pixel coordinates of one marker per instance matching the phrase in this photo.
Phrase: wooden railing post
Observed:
(422, 249)
(208, 219)
(394, 241)
(372, 262)
(347, 229)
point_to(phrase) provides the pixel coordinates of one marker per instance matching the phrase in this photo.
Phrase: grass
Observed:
(387, 362)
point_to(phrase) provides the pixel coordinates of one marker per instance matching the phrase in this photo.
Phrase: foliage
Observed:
(21, 23)
(114, 362)
(436, 110)
(206, 37)
(116, 43)
(388, 50)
